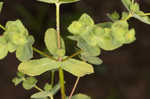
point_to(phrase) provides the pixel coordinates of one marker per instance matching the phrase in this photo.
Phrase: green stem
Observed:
(61, 77)
(61, 73)
(58, 24)
(128, 17)
(52, 77)
(42, 53)
(36, 87)
(2, 27)
(73, 55)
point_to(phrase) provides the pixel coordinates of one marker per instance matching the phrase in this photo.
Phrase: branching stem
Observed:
(42, 53)
(61, 73)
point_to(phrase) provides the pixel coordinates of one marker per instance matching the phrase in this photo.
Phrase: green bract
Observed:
(58, 1)
(16, 38)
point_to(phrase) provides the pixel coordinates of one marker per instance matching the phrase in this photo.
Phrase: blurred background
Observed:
(125, 71)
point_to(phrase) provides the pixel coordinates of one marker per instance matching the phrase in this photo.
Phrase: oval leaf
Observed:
(51, 43)
(38, 66)
(43, 94)
(77, 68)
(29, 83)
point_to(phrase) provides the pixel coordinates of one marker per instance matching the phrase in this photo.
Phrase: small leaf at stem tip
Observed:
(17, 80)
(77, 68)
(29, 83)
(114, 16)
(47, 87)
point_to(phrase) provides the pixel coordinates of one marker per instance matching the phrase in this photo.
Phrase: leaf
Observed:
(76, 27)
(105, 24)
(86, 19)
(136, 12)
(58, 1)
(80, 96)
(83, 25)
(143, 18)
(3, 47)
(1, 6)
(114, 16)
(130, 36)
(17, 80)
(77, 68)
(29, 83)
(38, 66)
(47, 87)
(87, 49)
(119, 29)
(55, 89)
(16, 32)
(106, 41)
(92, 60)
(127, 4)
(21, 75)
(51, 43)
(43, 94)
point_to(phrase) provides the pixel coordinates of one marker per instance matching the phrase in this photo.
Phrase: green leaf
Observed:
(58, 1)
(21, 75)
(80, 96)
(17, 80)
(83, 25)
(130, 36)
(76, 27)
(55, 89)
(47, 87)
(106, 41)
(114, 16)
(3, 47)
(1, 6)
(11, 47)
(25, 52)
(127, 4)
(142, 17)
(105, 24)
(43, 94)
(86, 19)
(77, 68)
(87, 49)
(16, 32)
(29, 83)
(38, 66)
(92, 60)
(51, 43)
(119, 29)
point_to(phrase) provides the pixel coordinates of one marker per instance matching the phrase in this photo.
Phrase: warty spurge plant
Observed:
(91, 38)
